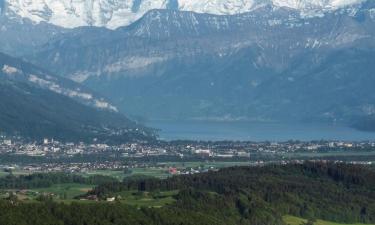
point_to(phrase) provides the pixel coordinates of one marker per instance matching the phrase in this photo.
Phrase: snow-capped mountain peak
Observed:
(116, 13)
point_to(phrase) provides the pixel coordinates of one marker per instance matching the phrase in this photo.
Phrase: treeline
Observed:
(236, 178)
(44, 180)
(335, 192)
(52, 213)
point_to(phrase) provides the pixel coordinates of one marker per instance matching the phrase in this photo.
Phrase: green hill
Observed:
(268, 195)
(340, 193)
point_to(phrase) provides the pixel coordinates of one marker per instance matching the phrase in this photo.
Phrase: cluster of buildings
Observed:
(222, 149)
(81, 157)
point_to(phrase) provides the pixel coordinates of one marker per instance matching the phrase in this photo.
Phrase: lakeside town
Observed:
(49, 155)
(219, 149)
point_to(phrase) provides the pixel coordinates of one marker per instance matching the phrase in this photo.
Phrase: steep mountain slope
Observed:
(269, 64)
(21, 36)
(114, 14)
(35, 105)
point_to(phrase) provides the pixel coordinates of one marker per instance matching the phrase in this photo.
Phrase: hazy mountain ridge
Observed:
(36, 110)
(16, 70)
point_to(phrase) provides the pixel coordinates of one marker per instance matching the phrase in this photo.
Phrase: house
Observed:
(173, 171)
(112, 199)
(92, 198)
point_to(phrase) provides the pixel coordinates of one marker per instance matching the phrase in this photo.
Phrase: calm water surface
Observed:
(256, 131)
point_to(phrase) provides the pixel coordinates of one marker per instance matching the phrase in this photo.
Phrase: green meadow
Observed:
(61, 191)
(292, 220)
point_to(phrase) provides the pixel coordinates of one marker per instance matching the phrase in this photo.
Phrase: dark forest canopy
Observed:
(43, 180)
(240, 195)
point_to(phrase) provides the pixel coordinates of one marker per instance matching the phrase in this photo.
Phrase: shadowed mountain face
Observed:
(21, 36)
(2, 6)
(270, 64)
(35, 104)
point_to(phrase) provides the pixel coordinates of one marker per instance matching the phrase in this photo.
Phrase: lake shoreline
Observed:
(255, 131)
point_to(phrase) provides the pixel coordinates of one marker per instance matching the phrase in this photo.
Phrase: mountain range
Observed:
(114, 14)
(290, 60)
(264, 65)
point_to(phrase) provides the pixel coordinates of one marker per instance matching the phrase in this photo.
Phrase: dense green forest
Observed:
(43, 180)
(240, 195)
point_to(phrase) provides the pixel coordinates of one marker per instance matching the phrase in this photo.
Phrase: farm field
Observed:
(120, 175)
(292, 220)
(146, 199)
(14, 172)
(67, 191)
(58, 192)
(327, 154)
(161, 170)
(152, 172)
(112, 173)
(206, 164)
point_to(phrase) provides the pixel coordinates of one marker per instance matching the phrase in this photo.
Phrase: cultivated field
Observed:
(292, 220)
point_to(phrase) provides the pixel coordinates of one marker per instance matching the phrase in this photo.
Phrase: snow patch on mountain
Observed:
(133, 63)
(372, 14)
(81, 76)
(219, 7)
(116, 13)
(10, 70)
(75, 94)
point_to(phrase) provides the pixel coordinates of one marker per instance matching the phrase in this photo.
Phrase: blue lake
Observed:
(256, 131)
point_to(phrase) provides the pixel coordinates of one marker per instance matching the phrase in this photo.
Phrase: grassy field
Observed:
(3, 174)
(327, 154)
(58, 192)
(15, 172)
(120, 175)
(206, 164)
(133, 198)
(162, 173)
(292, 220)
(146, 199)
(65, 190)
(112, 173)
(136, 199)
(152, 172)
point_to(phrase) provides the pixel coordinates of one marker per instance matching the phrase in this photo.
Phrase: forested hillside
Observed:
(241, 195)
